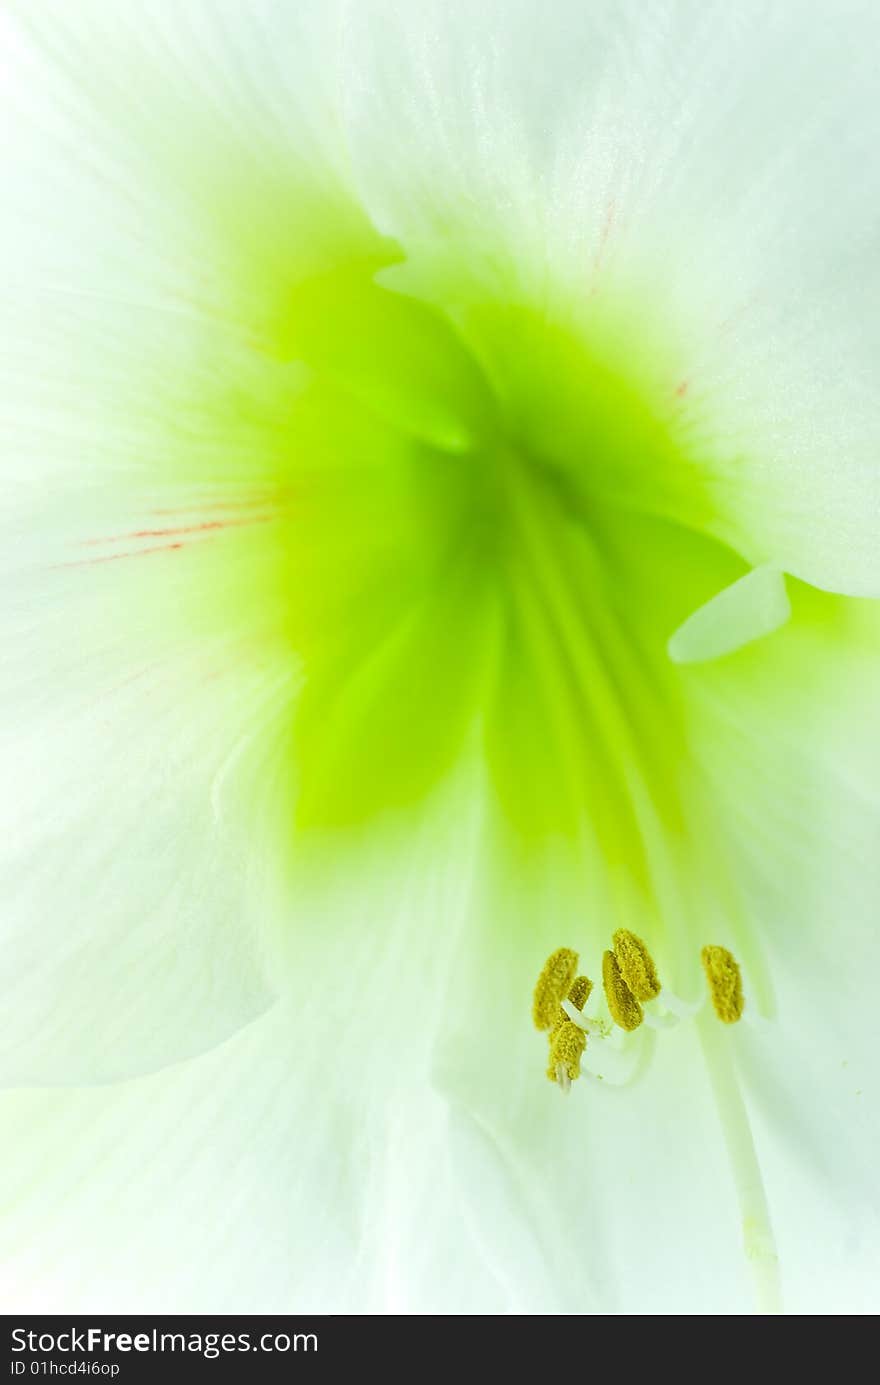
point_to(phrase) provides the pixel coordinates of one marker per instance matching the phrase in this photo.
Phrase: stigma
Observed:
(633, 996)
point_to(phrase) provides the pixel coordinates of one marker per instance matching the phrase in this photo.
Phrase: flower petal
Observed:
(420, 1162)
(146, 665)
(795, 791)
(700, 175)
(749, 609)
(145, 419)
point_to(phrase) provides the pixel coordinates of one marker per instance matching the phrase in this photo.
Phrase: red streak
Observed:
(204, 527)
(114, 557)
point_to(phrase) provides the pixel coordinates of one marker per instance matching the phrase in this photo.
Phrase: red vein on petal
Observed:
(169, 530)
(115, 557)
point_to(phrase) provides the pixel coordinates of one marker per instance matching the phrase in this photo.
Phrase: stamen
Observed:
(581, 990)
(757, 1230)
(566, 1052)
(725, 983)
(636, 965)
(553, 986)
(625, 1009)
(571, 1007)
(585, 1022)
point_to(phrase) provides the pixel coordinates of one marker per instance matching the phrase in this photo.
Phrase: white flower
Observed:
(441, 451)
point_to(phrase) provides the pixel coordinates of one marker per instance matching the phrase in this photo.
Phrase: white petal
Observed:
(187, 159)
(795, 780)
(420, 1161)
(143, 661)
(145, 666)
(295, 1166)
(133, 913)
(749, 609)
(706, 172)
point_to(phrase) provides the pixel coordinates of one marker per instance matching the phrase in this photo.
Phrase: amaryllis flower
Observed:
(443, 542)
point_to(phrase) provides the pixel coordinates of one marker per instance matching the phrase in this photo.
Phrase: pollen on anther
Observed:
(566, 1052)
(636, 965)
(553, 986)
(625, 1009)
(580, 992)
(725, 983)
(578, 995)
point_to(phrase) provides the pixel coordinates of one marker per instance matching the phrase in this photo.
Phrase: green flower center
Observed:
(494, 531)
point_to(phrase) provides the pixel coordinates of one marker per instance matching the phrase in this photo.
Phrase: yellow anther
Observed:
(581, 990)
(625, 1009)
(636, 965)
(553, 986)
(725, 983)
(566, 1051)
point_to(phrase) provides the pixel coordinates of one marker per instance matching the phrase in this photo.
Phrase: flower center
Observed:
(493, 534)
(491, 529)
